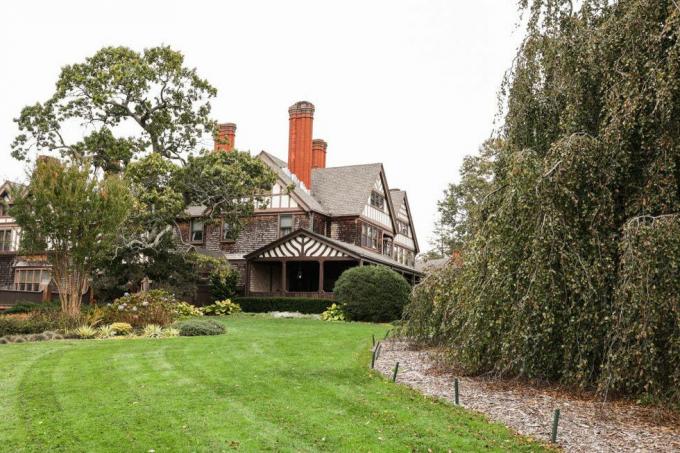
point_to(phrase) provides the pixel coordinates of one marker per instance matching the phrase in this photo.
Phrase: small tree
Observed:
(372, 293)
(74, 215)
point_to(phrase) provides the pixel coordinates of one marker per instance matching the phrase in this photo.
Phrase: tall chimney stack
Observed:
(226, 135)
(301, 116)
(319, 153)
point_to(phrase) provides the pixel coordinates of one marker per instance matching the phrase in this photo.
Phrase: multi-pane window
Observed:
(229, 231)
(197, 230)
(404, 256)
(377, 200)
(5, 240)
(31, 279)
(369, 236)
(285, 224)
(403, 228)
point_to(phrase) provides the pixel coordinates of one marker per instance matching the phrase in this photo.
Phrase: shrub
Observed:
(140, 309)
(85, 332)
(121, 328)
(186, 309)
(222, 308)
(334, 313)
(266, 304)
(223, 282)
(28, 307)
(152, 331)
(106, 331)
(170, 332)
(372, 293)
(199, 327)
(21, 325)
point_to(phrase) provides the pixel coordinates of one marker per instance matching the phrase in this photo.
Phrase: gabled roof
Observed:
(9, 187)
(344, 190)
(399, 198)
(306, 243)
(281, 169)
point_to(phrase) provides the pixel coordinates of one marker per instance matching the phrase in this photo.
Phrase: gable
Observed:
(408, 240)
(300, 245)
(372, 211)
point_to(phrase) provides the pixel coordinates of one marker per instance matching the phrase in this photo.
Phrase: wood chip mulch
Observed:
(586, 424)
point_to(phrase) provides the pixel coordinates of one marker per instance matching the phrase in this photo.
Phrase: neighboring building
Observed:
(22, 278)
(317, 222)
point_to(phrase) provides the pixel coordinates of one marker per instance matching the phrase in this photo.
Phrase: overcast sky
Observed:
(411, 84)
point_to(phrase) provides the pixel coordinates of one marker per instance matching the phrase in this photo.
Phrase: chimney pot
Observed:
(225, 137)
(301, 119)
(319, 153)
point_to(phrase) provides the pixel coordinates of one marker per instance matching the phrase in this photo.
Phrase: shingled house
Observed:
(317, 222)
(22, 277)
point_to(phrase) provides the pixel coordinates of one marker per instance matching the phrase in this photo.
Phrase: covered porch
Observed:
(304, 263)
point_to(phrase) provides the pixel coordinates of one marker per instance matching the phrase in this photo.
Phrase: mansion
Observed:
(317, 222)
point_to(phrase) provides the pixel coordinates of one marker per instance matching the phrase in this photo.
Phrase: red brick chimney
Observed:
(226, 135)
(319, 153)
(300, 140)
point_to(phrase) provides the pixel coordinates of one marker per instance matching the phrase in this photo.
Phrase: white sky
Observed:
(409, 83)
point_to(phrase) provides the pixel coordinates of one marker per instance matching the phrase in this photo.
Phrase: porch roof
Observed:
(306, 243)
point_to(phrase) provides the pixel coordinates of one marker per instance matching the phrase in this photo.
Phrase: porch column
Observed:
(321, 276)
(284, 280)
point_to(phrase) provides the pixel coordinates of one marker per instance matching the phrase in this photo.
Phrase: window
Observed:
(403, 228)
(369, 236)
(229, 231)
(196, 231)
(285, 224)
(4, 206)
(387, 247)
(31, 279)
(5, 240)
(377, 201)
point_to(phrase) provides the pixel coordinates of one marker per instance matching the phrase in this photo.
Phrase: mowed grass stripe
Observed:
(267, 385)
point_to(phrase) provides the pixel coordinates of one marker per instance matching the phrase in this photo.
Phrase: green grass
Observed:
(267, 385)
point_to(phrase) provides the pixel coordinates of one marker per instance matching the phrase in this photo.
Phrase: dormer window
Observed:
(377, 200)
(197, 230)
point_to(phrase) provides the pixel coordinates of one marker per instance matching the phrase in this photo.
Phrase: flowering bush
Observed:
(141, 309)
(222, 308)
(333, 313)
(186, 309)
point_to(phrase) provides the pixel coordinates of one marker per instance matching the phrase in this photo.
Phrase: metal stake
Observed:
(394, 376)
(556, 420)
(373, 359)
(373, 335)
(455, 391)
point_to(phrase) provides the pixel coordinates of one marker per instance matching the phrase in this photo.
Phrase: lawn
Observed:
(267, 385)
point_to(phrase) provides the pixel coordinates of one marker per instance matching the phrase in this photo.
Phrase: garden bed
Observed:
(586, 424)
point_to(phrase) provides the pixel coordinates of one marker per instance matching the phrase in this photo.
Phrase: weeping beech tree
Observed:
(73, 216)
(571, 258)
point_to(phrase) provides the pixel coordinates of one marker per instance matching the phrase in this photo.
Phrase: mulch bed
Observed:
(586, 423)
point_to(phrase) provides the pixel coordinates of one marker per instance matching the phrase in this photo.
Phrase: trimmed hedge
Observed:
(372, 293)
(308, 305)
(199, 327)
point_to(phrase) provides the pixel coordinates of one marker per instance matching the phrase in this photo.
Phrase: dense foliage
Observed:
(306, 305)
(140, 309)
(77, 215)
(144, 115)
(199, 327)
(221, 308)
(571, 256)
(371, 293)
